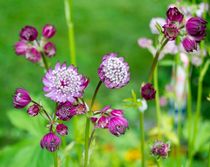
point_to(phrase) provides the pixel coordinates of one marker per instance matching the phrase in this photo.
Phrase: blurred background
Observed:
(100, 27)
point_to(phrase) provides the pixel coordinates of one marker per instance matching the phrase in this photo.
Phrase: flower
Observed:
(33, 55)
(174, 15)
(65, 111)
(81, 109)
(113, 71)
(117, 125)
(117, 113)
(21, 98)
(48, 31)
(21, 47)
(28, 33)
(49, 49)
(64, 83)
(102, 122)
(62, 129)
(196, 27)
(170, 31)
(189, 44)
(147, 91)
(145, 42)
(51, 142)
(33, 110)
(154, 22)
(160, 149)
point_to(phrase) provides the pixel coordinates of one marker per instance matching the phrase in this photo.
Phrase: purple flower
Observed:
(170, 31)
(117, 125)
(28, 33)
(65, 111)
(117, 113)
(174, 15)
(144, 42)
(189, 44)
(64, 83)
(80, 109)
(49, 49)
(113, 71)
(33, 55)
(21, 98)
(160, 149)
(147, 91)
(196, 27)
(62, 129)
(33, 110)
(48, 31)
(102, 122)
(21, 48)
(51, 142)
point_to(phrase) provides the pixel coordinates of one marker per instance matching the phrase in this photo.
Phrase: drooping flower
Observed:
(160, 149)
(49, 49)
(174, 15)
(170, 31)
(65, 111)
(189, 44)
(154, 22)
(33, 55)
(196, 27)
(51, 142)
(62, 129)
(48, 31)
(33, 110)
(113, 71)
(147, 91)
(21, 48)
(64, 83)
(28, 33)
(21, 98)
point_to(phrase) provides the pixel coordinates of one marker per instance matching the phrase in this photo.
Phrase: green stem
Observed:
(209, 157)
(70, 24)
(141, 121)
(45, 62)
(55, 159)
(158, 163)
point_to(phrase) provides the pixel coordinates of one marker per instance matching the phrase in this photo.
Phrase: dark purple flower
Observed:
(62, 129)
(147, 91)
(33, 55)
(160, 149)
(48, 31)
(113, 71)
(49, 49)
(189, 44)
(117, 125)
(170, 31)
(196, 27)
(174, 15)
(28, 33)
(21, 98)
(65, 111)
(33, 110)
(51, 142)
(64, 83)
(21, 48)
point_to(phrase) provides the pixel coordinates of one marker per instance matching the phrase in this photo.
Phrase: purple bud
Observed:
(102, 122)
(33, 110)
(33, 55)
(28, 33)
(21, 98)
(196, 27)
(160, 149)
(62, 129)
(65, 111)
(48, 31)
(49, 49)
(21, 47)
(147, 91)
(117, 113)
(174, 15)
(81, 109)
(189, 44)
(117, 125)
(170, 31)
(51, 142)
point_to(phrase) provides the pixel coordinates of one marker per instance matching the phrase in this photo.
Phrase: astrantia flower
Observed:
(189, 44)
(62, 129)
(170, 31)
(64, 83)
(160, 149)
(174, 15)
(65, 111)
(48, 31)
(21, 48)
(113, 71)
(33, 110)
(28, 33)
(148, 92)
(21, 98)
(117, 125)
(49, 49)
(33, 55)
(51, 142)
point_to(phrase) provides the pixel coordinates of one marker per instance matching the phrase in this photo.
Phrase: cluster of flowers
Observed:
(160, 149)
(32, 48)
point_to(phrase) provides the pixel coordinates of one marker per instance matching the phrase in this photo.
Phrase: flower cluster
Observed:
(113, 119)
(32, 48)
(160, 149)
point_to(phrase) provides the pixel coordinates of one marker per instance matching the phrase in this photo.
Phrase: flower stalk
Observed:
(141, 125)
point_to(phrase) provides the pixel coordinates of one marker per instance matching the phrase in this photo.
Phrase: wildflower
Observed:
(103, 122)
(21, 98)
(154, 22)
(62, 129)
(145, 42)
(21, 47)
(174, 15)
(28, 33)
(81, 109)
(33, 55)
(33, 110)
(117, 125)
(64, 83)
(48, 31)
(51, 142)
(113, 71)
(160, 149)
(65, 111)
(189, 44)
(49, 49)
(147, 91)
(170, 31)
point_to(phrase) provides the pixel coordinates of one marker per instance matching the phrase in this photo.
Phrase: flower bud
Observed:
(49, 49)
(65, 111)
(189, 44)
(33, 110)
(62, 129)
(147, 91)
(21, 98)
(170, 31)
(21, 48)
(33, 55)
(160, 149)
(117, 125)
(48, 31)
(28, 33)
(174, 15)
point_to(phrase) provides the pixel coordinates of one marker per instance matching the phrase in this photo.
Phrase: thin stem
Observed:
(209, 157)
(158, 163)
(91, 137)
(70, 24)
(55, 159)
(45, 62)
(141, 121)
(43, 110)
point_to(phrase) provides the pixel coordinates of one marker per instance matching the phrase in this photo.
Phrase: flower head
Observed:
(174, 15)
(170, 31)
(28, 33)
(51, 142)
(62, 129)
(49, 49)
(147, 91)
(33, 55)
(145, 42)
(21, 48)
(33, 110)
(48, 31)
(160, 149)
(113, 71)
(65, 111)
(64, 83)
(117, 125)
(21, 98)
(189, 44)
